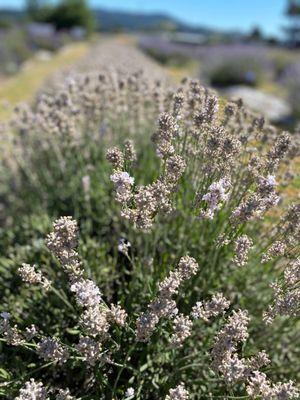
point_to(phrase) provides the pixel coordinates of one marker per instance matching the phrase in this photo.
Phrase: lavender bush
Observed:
(239, 64)
(153, 281)
(221, 64)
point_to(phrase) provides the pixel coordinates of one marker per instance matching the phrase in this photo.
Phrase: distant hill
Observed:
(11, 14)
(109, 21)
(118, 20)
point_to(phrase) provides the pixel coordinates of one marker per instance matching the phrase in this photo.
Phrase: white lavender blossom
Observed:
(117, 315)
(212, 308)
(86, 292)
(94, 321)
(292, 273)
(32, 391)
(11, 334)
(182, 329)
(258, 360)
(123, 183)
(62, 243)
(115, 157)
(129, 393)
(145, 326)
(178, 393)
(64, 394)
(164, 306)
(233, 332)
(242, 245)
(286, 302)
(257, 203)
(49, 349)
(277, 249)
(90, 350)
(30, 332)
(232, 368)
(260, 386)
(29, 275)
(187, 267)
(286, 391)
(129, 151)
(218, 192)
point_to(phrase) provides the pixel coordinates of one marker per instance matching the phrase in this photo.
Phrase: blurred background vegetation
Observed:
(262, 69)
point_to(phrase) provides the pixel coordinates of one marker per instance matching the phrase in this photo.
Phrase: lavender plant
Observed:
(164, 291)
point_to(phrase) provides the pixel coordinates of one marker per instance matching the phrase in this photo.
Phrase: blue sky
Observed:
(223, 14)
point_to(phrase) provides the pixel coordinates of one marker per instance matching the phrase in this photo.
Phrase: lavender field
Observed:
(150, 226)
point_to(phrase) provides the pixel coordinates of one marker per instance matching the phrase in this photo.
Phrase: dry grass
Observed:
(176, 73)
(24, 85)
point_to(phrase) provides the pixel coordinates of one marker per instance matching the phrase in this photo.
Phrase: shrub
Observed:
(14, 50)
(235, 65)
(66, 14)
(235, 72)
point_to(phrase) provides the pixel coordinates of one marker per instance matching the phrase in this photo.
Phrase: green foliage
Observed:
(39, 10)
(173, 59)
(256, 34)
(293, 8)
(71, 13)
(66, 14)
(243, 71)
(4, 24)
(14, 50)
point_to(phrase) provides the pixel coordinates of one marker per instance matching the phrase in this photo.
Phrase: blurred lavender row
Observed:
(252, 58)
(239, 69)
